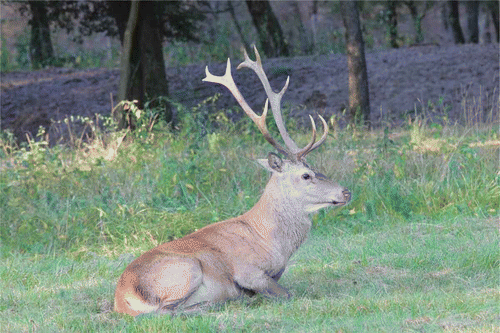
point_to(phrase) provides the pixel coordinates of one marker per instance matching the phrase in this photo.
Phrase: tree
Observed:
(42, 15)
(454, 19)
(41, 50)
(359, 100)
(472, 8)
(142, 26)
(417, 17)
(155, 22)
(392, 23)
(389, 18)
(493, 8)
(306, 42)
(268, 28)
(445, 15)
(142, 70)
(237, 25)
(314, 23)
(177, 19)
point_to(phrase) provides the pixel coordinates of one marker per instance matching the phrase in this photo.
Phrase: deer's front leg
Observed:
(262, 283)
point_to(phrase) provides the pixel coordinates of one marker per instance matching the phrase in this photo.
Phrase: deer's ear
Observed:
(265, 164)
(273, 163)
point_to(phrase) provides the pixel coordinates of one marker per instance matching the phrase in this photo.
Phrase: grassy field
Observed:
(417, 249)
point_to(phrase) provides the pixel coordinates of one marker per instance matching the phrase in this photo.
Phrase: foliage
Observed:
(55, 197)
(179, 19)
(80, 19)
(201, 26)
(208, 34)
(80, 57)
(4, 56)
(62, 13)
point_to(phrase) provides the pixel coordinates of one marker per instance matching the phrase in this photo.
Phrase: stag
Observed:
(246, 254)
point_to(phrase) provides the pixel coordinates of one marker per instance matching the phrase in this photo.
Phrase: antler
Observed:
(291, 150)
(227, 81)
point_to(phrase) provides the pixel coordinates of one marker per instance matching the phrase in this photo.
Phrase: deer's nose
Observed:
(346, 194)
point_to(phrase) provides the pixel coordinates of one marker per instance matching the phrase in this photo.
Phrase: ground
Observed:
(462, 81)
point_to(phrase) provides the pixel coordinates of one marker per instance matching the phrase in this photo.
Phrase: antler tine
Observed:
(305, 150)
(274, 98)
(227, 81)
(323, 137)
(313, 145)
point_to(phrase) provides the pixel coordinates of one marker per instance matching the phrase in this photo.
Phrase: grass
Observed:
(415, 250)
(392, 277)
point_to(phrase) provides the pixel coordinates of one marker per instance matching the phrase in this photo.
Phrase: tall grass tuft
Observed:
(159, 183)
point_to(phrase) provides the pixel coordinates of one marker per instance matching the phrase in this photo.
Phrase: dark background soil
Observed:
(465, 78)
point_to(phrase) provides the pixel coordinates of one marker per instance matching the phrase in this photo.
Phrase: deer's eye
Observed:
(306, 176)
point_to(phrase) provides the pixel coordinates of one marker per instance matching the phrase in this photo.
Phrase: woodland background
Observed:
(407, 42)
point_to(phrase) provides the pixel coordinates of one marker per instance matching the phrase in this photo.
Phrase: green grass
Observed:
(393, 277)
(415, 250)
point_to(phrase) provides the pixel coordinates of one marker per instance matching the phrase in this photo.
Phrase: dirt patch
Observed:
(462, 81)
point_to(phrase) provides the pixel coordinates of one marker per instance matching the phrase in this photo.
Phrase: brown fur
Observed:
(246, 254)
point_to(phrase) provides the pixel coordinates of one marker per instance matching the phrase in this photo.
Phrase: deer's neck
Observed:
(282, 224)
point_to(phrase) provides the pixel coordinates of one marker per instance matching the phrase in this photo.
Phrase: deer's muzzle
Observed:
(347, 195)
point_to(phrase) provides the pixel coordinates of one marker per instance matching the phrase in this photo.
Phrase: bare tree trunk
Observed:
(306, 45)
(417, 18)
(454, 19)
(445, 16)
(486, 34)
(41, 51)
(493, 7)
(392, 22)
(472, 8)
(268, 28)
(230, 7)
(314, 20)
(128, 41)
(359, 99)
(142, 70)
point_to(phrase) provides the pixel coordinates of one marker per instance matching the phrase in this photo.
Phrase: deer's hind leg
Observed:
(216, 286)
(174, 281)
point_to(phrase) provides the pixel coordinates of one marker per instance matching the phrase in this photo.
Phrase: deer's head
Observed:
(302, 187)
(296, 182)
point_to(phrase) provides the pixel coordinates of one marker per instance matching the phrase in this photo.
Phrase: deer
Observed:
(244, 255)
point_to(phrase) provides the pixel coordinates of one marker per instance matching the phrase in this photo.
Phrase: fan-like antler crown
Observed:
(291, 149)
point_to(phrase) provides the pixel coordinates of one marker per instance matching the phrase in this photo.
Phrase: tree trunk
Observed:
(239, 30)
(472, 8)
(417, 18)
(142, 70)
(41, 50)
(454, 18)
(306, 45)
(493, 6)
(359, 100)
(129, 39)
(268, 28)
(314, 24)
(392, 22)
(445, 16)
